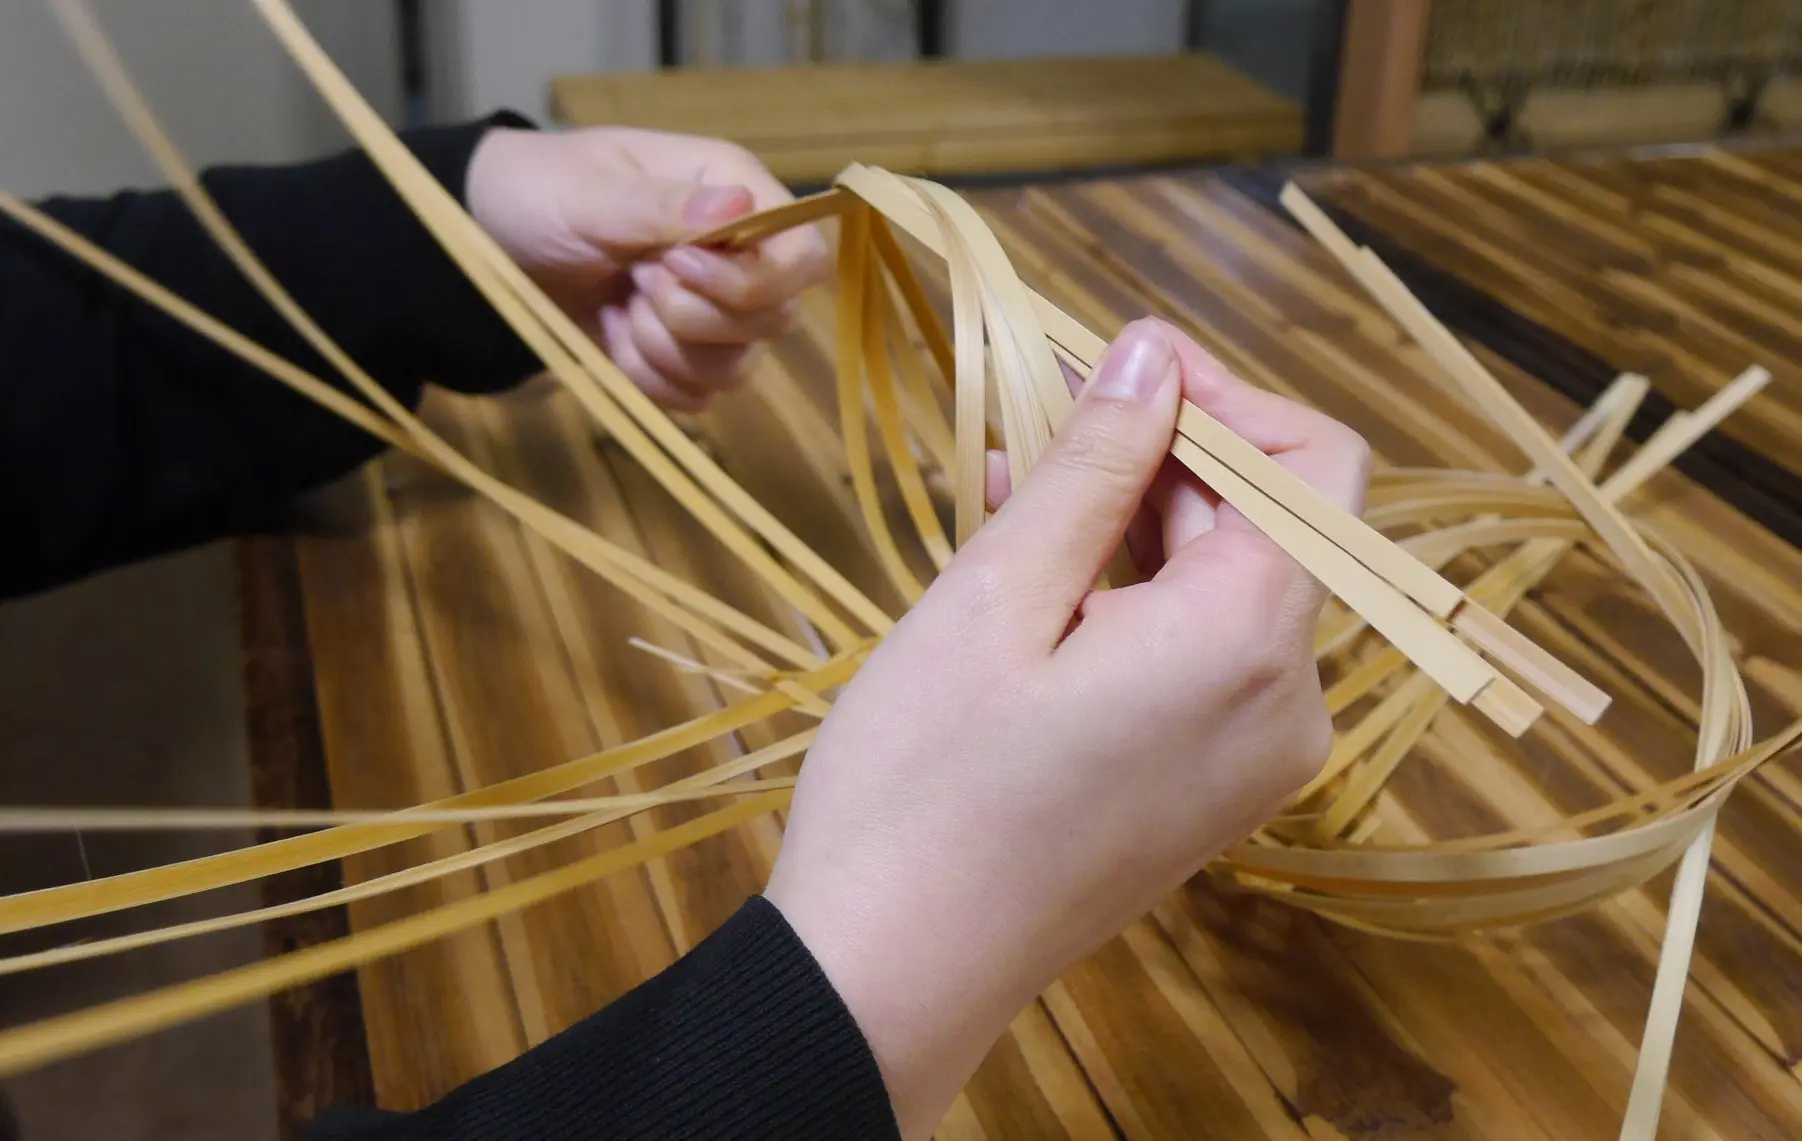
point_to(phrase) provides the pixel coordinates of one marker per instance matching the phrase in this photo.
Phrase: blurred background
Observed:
(433, 60)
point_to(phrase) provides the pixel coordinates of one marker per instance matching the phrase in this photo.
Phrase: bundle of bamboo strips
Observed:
(1405, 639)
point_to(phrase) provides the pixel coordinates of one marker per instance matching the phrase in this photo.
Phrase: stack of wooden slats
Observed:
(950, 117)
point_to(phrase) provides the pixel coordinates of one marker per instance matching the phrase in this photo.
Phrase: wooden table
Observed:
(449, 650)
(1684, 267)
(953, 117)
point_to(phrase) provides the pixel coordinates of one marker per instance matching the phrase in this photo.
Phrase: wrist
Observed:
(930, 984)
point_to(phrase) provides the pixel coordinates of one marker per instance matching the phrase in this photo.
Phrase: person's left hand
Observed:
(597, 218)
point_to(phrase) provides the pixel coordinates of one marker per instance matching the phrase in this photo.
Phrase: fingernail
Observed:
(644, 276)
(688, 263)
(711, 205)
(1138, 365)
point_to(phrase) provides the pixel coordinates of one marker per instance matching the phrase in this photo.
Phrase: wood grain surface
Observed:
(945, 117)
(321, 1054)
(1682, 268)
(452, 650)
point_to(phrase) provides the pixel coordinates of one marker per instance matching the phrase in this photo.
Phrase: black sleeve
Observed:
(124, 435)
(742, 1038)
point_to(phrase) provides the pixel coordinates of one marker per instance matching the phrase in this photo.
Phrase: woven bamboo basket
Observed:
(1401, 640)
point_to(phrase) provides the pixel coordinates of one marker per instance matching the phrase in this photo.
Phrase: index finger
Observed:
(1326, 454)
(790, 255)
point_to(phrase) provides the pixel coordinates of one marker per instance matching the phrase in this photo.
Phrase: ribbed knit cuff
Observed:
(445, 149)
(450, 328)
(744, 1037)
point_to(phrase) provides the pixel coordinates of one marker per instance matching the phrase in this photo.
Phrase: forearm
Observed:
(123, 435)
(742, 1037)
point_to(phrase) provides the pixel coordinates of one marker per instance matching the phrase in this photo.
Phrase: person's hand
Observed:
(1024, 766)
(597, 218)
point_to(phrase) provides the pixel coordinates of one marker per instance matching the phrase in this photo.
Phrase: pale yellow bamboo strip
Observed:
(1442, 865)
(1407, 627)
(394, 881)
(853, 252)
(933, 428)
(1358, 584)
(584, 545)
(1444, 545)
(753, 228)
(1502, 909)
(576, 361)
(1513, 649)
(878, 328)
(1491, 588)
(1501, 590)
(29, 910)
(1409, 575)
(16, 819)
(1025, 431)
(646, 583)
(918, 305)
(1725, 723)
(1356, 741)
(890, 195)
(1627, 387)
(1526, 432)
(1013, 323)
(52, 1040)
(1617, 406)
(1673, 437)
(1677, 434)
(971, 379)
(730, 678)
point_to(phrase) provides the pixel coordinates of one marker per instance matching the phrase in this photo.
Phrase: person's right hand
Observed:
(1024, 767)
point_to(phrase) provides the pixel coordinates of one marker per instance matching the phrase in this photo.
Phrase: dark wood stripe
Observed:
(321, 1055)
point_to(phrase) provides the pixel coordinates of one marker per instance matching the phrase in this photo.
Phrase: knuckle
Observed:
(1359, 455)
(974, 589)
(687, 315)
(785, 319)
(1267, 669)
(736, 290)
(738, 154)
(1096, 451)
(1317, 739)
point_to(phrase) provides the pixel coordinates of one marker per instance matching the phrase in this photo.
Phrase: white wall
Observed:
(774, 32)
(211, 71)
(1012, 29)
(484, 55)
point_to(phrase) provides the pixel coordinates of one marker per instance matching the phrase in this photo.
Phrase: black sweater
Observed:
(123, 435)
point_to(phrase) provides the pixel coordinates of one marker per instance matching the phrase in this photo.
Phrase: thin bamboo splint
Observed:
(1409, 640)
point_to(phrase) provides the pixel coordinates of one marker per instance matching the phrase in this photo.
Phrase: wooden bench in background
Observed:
(954, 117)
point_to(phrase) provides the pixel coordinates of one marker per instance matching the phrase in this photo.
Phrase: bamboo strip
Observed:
(52, 1040)
(576, 361)
(1444, 656)
(409, 877)
(878, 326)
(853, 280)
(131, 889)
(16, 820)
(647, 584)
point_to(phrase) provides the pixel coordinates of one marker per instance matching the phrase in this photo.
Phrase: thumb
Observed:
(635, 214)
(1056, 532)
